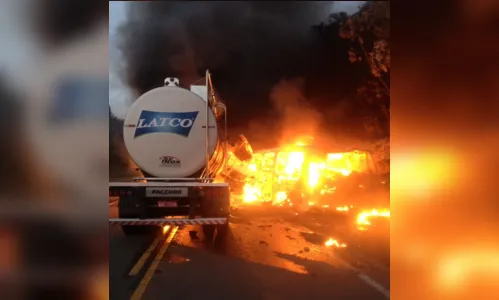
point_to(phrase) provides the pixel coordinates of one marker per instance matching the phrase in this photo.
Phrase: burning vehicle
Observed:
(301, 174)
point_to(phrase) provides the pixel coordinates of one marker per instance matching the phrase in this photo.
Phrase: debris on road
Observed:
(313, 238)
(177, 259)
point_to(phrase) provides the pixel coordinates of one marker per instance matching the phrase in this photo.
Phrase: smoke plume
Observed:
(295, 114)
(248, 46)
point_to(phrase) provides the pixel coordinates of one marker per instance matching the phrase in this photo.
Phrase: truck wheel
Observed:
(222, 231)
(127, 208)
(209, 231)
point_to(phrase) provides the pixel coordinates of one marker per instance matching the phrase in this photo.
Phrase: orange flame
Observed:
(275, 174)
(363, 217)
(335, 243)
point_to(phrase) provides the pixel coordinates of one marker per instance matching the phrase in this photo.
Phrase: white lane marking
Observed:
(366, 279)
(374, 284)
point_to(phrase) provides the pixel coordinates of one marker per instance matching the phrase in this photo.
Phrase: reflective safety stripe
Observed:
(163, 222)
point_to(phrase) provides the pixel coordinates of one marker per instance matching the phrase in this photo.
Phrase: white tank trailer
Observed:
(178, 138)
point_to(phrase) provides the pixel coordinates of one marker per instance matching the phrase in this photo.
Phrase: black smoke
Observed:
(248, 46)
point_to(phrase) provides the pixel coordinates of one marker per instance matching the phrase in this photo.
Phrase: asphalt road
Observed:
(268, 254)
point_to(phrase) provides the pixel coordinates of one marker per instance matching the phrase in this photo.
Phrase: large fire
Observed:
(251, 194)
(298, 176)
(279, 173)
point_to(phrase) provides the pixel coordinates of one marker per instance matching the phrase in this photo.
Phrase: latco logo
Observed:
(170, 161)
(179, 123)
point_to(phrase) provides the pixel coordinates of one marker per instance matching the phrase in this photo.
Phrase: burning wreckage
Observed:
(299, 174)
(302, 176)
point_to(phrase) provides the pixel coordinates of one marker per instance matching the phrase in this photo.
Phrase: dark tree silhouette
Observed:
(368, 31)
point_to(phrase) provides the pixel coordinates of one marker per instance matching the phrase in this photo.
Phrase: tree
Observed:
(120, 163)
(368, 30)
(369, 33)
(115, 143)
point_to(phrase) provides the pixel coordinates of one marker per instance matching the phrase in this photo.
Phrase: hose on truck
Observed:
(218, 160)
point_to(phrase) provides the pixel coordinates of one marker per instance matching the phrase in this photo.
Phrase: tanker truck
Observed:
(178, 139)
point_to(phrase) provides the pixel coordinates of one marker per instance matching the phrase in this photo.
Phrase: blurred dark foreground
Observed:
(53, 220)
(44, 258)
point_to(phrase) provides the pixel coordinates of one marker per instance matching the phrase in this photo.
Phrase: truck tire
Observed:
(217, 207)
(209, 232)
(222, 231)
(127, 208)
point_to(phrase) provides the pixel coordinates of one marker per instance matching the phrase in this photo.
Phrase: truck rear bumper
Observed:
(168, 221)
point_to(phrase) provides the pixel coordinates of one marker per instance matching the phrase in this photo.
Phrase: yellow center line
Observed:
(137, 294)
(140, 263)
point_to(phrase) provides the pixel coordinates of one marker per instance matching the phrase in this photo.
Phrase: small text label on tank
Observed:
(170, 161)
